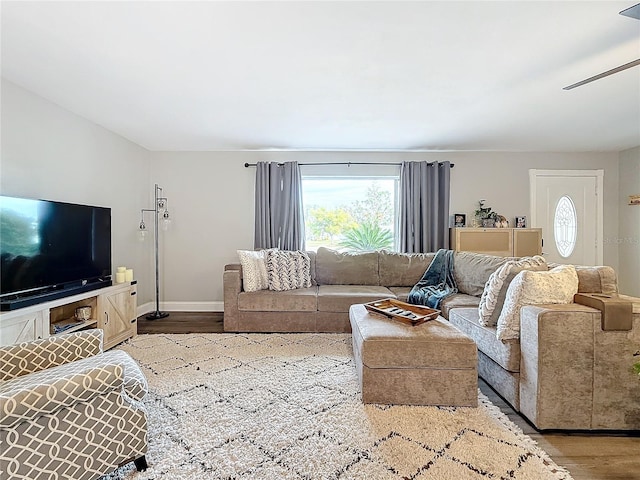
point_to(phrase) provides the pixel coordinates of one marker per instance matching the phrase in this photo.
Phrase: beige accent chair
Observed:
(68, 410)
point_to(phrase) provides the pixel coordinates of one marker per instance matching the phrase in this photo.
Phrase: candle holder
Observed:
(160, 208)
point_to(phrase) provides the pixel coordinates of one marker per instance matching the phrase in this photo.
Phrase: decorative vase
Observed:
(488, 223)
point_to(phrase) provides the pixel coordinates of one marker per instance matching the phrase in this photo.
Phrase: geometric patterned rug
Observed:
(287, 406)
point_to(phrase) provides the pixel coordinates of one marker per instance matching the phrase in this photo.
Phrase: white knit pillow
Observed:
(254, 270)
(496, 287)
(558, 285)
(288, 270)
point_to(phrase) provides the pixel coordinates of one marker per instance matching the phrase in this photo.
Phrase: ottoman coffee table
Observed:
(429, 364)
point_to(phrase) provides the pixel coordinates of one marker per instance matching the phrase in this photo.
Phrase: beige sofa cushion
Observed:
(338, 298)
(402, 269)
(457, 300)
(505, 354)
(594, 279)
(337, 268)
(472, 270)
(298, 300)
(600, 279)
(401, 293)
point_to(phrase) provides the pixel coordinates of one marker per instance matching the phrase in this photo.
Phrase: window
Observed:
(565, 226)
(350, 213)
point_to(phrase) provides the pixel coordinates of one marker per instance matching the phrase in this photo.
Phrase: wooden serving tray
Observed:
(402, 311)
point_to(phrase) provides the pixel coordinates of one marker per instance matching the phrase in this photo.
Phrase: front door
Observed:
(567, 205)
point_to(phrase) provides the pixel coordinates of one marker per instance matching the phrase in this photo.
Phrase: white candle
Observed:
(128, 275)
(120, 277)
(121, 269)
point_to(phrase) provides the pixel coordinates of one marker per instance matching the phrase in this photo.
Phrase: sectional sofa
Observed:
(564, 372)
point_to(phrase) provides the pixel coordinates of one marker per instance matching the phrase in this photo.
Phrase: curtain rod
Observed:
(247, 165)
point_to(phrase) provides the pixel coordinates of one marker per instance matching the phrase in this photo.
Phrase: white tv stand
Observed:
(113, 309)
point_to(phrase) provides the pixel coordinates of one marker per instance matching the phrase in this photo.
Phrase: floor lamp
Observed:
(160, 208)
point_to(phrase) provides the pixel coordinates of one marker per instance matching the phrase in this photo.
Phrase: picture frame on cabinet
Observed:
(459, 220)
(521, 222)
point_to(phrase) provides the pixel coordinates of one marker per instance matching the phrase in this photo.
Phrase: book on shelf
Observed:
(63, 326)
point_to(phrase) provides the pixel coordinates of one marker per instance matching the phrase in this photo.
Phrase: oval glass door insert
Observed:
(565, 226)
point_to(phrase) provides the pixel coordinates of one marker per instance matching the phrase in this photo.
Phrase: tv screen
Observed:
(46, 244)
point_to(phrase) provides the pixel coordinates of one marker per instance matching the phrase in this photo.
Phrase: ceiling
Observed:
(358, 75)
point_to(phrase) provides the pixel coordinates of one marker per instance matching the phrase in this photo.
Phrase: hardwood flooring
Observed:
(183, 322)
(587, 456)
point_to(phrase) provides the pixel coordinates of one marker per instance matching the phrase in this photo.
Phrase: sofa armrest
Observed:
(29, 357)
(232, 286)
(557, 365)
(45, 392)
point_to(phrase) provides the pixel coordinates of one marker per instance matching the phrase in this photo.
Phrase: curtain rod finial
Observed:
(246, 164)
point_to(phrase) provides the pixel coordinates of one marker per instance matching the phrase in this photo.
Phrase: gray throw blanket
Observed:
(436, 283)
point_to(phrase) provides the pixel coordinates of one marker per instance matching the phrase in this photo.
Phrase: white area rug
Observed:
(272, 406)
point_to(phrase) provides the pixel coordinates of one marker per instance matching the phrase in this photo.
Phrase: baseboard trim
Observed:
(181, 307)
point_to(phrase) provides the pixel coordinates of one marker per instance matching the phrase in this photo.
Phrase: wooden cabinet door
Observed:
(527, 242)
(115, 316)
(24, 328)
(490, 241)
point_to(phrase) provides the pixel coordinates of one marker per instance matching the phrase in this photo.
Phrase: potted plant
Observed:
(484, 215)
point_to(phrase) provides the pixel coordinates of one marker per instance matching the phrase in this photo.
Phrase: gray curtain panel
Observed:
(279, 217)
(424, 206)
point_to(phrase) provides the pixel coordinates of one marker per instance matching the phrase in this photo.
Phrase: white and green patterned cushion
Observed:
(557, 285)
(495, 290)
(288, 270)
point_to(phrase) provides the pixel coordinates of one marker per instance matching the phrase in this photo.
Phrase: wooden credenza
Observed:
(504, 242)
(113, 310)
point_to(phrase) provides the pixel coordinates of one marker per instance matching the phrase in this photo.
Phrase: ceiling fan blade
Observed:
(633, 12)
(635, 63)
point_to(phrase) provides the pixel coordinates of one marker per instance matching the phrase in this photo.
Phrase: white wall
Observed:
(211, 203)
(211, 200)
(628, 240)
(51, 153)
(48, 152)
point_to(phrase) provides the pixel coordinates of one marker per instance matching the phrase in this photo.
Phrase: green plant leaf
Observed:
(367, 237)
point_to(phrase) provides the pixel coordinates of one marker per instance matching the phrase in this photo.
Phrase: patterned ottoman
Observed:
(429, 364)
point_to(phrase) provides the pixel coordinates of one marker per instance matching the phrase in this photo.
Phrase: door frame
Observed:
(534, 174)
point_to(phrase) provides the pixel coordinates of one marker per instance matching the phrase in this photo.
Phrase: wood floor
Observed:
(183, 322)
(586, 456)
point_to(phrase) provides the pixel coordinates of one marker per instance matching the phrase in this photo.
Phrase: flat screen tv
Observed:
(51, 249)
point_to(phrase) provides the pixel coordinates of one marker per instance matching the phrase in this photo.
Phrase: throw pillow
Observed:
(288, 270)
(346, 268)
(254, 270)
(557, 285)
(496, 287)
